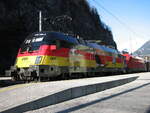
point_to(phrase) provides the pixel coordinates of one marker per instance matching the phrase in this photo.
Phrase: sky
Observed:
(129, 21)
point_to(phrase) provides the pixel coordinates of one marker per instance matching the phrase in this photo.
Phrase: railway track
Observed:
(6, 81)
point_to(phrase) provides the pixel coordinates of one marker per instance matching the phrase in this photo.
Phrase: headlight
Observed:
(38, 60)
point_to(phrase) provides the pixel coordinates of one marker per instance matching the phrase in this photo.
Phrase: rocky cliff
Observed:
(18, 18)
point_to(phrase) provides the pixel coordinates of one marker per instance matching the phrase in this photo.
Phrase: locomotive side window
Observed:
(56, 42)
(97, 59)
(64, 44)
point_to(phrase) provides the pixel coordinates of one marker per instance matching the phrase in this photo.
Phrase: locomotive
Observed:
(45, 55)
(134, 64)
(51, 54)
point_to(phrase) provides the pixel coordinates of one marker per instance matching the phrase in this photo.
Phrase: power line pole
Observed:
(40, 21)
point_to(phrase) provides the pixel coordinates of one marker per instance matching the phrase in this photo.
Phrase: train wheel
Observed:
(39, 79)
(124, 71)
(35, 79)
(13, 78)
(63, 76)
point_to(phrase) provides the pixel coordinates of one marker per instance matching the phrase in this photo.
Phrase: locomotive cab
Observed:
(37, 57)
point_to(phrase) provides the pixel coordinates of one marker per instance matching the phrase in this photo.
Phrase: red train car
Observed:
(134, 64)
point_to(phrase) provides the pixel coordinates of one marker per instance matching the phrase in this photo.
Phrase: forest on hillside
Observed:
(19, 18)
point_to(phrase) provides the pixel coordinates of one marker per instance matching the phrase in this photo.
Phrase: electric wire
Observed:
(121, 22)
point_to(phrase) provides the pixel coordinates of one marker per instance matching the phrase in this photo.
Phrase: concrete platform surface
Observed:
(33, 96)
(133, 97)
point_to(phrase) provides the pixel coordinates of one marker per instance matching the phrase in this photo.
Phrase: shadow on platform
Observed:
(46, 101)
(9, 82)
(148, 111)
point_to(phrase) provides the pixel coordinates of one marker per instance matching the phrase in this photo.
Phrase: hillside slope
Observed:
(144, 50)
(18, 18)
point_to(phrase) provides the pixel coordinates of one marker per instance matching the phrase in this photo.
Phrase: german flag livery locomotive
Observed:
(52, 54)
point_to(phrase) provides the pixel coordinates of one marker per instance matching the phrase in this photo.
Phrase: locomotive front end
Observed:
(33, 61)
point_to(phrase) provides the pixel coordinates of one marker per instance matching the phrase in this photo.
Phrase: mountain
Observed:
(19, 18)
(144, 50)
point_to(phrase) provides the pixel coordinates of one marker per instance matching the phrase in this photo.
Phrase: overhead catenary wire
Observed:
(119, 20)
(127, 27)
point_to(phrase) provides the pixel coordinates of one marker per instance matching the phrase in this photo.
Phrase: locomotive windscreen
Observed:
(35, 40)
(32, 43)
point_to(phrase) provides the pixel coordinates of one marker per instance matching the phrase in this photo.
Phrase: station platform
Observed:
(33, 96)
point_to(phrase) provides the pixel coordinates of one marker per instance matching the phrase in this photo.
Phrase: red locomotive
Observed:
(134, 64)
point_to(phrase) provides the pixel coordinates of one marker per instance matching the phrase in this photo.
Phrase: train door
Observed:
(77, 60)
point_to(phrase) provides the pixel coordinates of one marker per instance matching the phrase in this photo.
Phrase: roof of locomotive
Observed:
(104, 48)
(55, 35)
(61, 36)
